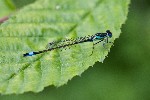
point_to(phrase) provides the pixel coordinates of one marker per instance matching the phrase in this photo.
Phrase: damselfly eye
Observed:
(109, 33)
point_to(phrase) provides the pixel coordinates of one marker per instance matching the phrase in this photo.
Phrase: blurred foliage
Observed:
(124, 75)
(6, 7)
(21, 3)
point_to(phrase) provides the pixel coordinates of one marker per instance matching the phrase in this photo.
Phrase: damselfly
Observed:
(69, 42)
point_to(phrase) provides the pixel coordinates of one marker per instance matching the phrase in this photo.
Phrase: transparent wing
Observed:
(51, 45)
(66, 43)
(60, 44)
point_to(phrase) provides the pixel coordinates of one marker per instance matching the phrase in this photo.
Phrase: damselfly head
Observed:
(109, 34)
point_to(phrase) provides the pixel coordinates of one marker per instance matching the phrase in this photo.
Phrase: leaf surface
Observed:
(51, 20)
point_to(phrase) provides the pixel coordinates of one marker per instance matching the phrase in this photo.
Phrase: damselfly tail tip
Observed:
(28, 54)
(24, 55)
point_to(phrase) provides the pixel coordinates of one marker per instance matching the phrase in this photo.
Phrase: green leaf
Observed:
(44, 21)
(6, 7)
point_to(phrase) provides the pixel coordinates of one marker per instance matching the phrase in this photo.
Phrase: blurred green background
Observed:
(124, 75)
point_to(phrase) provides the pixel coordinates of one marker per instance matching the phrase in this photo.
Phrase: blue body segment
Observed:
(31, 53)
(99, 37)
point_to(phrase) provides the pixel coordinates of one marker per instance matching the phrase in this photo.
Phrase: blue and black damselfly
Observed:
(69, 42)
